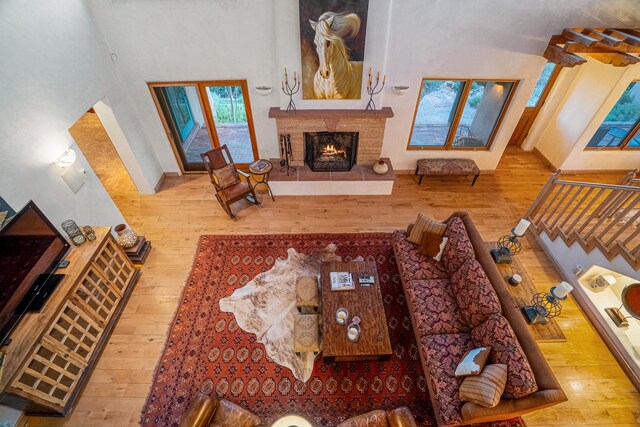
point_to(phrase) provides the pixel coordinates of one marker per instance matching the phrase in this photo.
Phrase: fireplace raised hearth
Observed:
(330, 151)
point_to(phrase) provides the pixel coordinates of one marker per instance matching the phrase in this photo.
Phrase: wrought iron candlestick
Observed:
(290, 90)
(373, 89)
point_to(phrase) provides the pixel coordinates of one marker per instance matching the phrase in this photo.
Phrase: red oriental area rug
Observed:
(207, 351)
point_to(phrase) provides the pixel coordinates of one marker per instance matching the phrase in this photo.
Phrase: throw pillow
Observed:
(473, 361)
(441, 250)
(226, 176)
(430, 243)
(486, 388)
(423, 224)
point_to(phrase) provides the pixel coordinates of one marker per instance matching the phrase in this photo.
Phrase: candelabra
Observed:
(290, 90)
(373, 89)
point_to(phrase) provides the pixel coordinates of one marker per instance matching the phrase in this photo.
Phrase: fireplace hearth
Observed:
(330, 151)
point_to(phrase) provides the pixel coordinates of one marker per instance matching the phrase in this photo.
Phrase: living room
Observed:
(64, 58)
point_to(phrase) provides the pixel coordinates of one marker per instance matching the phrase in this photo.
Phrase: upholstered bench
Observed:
(447, 167)
(307, 299)
(306, 336)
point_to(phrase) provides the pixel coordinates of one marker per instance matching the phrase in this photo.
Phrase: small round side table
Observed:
(260, 170)
(291, 420)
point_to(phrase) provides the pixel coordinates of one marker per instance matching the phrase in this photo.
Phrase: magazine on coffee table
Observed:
(341, 281)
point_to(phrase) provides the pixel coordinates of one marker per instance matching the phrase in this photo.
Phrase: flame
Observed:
(330, 149)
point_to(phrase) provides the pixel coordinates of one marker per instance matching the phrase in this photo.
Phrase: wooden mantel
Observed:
(277, 113)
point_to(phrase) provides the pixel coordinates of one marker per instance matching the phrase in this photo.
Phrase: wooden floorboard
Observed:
(185, 208)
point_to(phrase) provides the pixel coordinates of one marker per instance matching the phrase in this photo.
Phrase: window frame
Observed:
(626, 140)
(459, 109)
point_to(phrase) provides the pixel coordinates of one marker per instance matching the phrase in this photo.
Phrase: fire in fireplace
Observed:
(331, 151)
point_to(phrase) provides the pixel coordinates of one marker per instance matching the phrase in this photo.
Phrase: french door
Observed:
(199, 116)
(536, 101)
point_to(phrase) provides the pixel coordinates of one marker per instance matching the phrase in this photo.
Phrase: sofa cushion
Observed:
(442, 354)
(413, 265)
(458, 248)
(435, 310)
(496, 332)
(474, 293)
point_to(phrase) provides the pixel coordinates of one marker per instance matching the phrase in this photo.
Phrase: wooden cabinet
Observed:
(52, 352)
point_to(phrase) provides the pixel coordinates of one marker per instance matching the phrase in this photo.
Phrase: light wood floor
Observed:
(599, 393)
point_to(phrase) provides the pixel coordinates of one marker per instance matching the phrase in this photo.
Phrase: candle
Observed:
(282, 85)
(378, 76)
(295, 76)
(384, 79)
(521, 228)
(562, 290)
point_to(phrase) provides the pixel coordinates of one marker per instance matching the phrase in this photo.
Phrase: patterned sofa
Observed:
(460, 303)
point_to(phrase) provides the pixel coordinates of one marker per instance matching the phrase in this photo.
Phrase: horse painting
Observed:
(337, 77)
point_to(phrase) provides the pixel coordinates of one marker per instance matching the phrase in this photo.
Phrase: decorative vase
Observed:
(381, 167)
(74, 232)
(126, 237)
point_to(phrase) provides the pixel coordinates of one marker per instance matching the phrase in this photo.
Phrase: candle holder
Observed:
(290, 90)
(509, 245)
(544, 306)
(373, 90)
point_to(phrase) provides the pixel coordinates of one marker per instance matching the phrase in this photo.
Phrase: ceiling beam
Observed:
(616, 46)
(556, 55)
(602, 38)
(616, 59)
(575, 36)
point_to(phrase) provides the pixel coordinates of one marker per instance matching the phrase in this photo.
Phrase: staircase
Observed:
(597, 216)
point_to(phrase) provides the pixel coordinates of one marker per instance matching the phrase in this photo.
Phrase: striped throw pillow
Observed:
(486, 388)
(423, 224)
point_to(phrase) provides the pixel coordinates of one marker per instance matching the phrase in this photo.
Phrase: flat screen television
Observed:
(30, 250)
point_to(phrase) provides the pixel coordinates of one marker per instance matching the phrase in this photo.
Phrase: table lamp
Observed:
(545, 305)
(509, 245)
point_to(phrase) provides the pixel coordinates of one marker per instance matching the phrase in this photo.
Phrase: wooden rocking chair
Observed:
(227, 179)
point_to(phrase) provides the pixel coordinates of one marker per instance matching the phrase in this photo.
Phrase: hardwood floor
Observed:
(599, 392)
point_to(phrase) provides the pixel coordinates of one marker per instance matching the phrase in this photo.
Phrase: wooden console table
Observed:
(522, 294)
(53, 351)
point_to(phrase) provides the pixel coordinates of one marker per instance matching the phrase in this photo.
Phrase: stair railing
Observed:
(597, 216)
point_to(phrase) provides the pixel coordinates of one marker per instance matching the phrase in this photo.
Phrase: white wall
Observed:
(53, 71)
(580, 110)
(407, 40)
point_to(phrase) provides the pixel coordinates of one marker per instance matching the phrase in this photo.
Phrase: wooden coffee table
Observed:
(364, 301)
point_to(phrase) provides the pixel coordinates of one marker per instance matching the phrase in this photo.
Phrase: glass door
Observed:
(536, 101)
(201, 115)
(227, 104)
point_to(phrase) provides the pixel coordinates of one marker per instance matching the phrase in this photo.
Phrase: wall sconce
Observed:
(70, 175)
(263, 90)
(399, 90)
(66, 159)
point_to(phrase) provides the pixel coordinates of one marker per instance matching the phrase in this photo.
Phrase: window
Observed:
(620, 128)
(541, 84)
(458, 114)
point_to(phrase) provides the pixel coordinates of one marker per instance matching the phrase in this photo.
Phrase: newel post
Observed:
(542, 196)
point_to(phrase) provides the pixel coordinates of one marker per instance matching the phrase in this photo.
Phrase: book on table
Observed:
(341, 281)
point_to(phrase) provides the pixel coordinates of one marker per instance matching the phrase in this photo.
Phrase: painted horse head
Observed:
(331, 30)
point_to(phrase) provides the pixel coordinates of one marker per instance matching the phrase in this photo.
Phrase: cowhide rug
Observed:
(267, 304)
